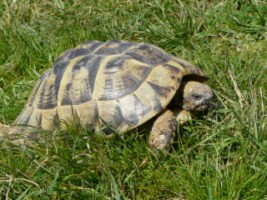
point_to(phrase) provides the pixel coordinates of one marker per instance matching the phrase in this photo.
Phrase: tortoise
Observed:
(118, 85)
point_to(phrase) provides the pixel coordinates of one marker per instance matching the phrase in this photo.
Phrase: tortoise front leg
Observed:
(182, 116)
(164, 128)
(163, 131)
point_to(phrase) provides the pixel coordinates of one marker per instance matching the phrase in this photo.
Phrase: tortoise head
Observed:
(194, 96)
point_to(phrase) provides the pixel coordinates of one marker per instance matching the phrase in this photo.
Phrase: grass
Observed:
(223, 156)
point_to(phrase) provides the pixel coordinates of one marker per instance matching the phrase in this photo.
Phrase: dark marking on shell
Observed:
(59, 69)
(67, 99)
(97, 117)
(127, 84)
(161, 91)
(84, 93)
(157, 105)
(109, 48)
(42, 78)
(124, 46)
(141, 108)
(175, 72)
(47, 98)
(63, 57)
(184, 65)
(134, 116)
(93, 45)
(56, 121)
(149, 55)
(108, 91)
(115, 41)
(105, 50)
(81, 63)
(39, 119)
(114, 65)
(73, 96)
(93, 66)
(79, 52)
(137, 56)
(24, 116)
(172, 68)
(118, 117)
(132, 119)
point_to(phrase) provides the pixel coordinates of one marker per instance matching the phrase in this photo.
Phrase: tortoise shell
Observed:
(119, 83)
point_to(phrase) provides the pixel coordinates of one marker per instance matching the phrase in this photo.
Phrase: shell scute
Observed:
(124, 82)
(133, 109)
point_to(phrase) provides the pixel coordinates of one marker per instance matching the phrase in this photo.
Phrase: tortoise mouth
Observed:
(201, 107)
(205, 107)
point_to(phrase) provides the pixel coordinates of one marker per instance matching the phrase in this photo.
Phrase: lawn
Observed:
(220, 156)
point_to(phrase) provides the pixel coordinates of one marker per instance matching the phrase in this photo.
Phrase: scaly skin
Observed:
(164, 128)
(196, 97)
(13, 134)
(163, 131)
(182, 116)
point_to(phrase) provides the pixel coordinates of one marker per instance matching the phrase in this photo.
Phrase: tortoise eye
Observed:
(196, 96)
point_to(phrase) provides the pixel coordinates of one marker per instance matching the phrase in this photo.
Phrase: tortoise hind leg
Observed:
(163, 131)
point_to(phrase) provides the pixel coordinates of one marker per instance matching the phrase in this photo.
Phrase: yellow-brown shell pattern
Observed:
(115, 83)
